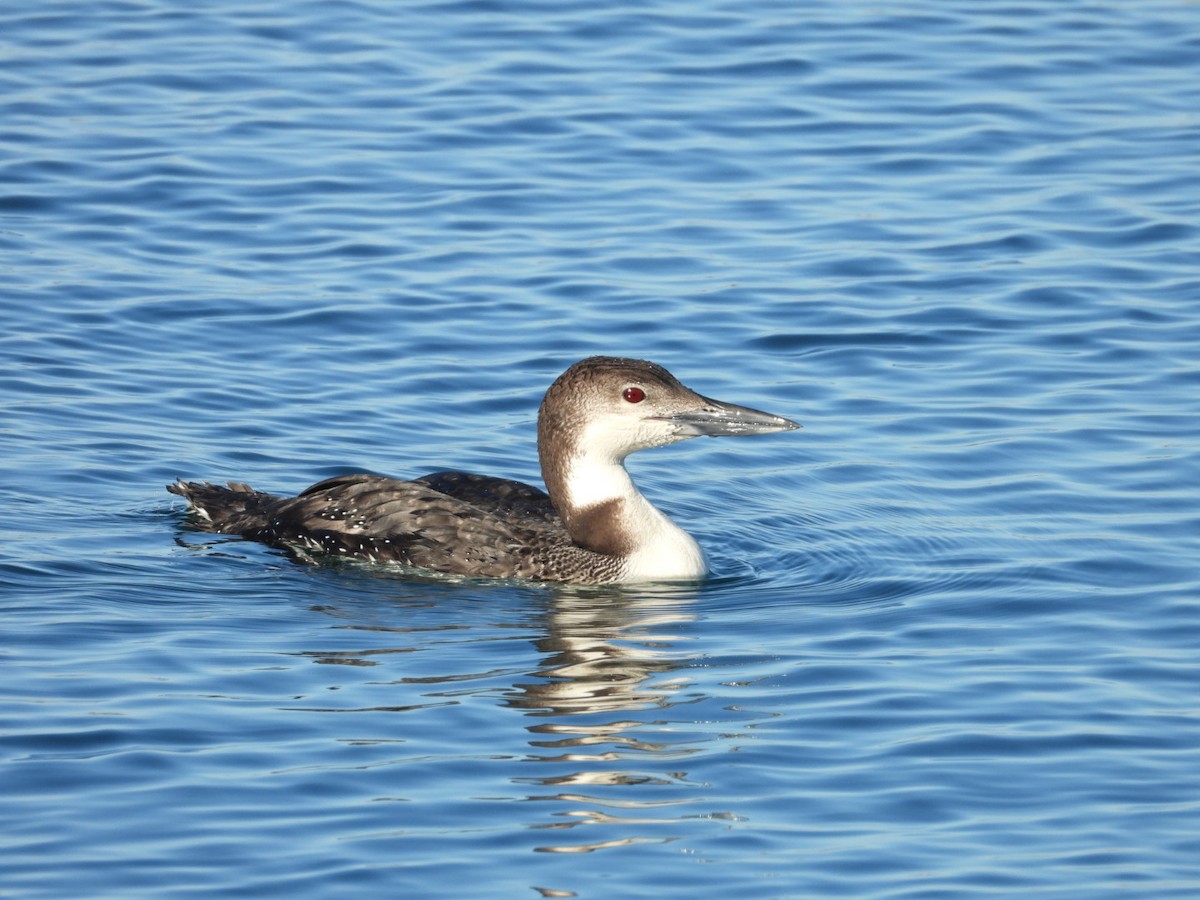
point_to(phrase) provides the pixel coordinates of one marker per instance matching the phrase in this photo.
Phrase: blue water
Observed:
(951, 646)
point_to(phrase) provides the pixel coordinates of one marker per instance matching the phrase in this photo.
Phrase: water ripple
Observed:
(948, 646)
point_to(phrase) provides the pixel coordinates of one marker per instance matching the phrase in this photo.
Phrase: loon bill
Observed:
(590, 526)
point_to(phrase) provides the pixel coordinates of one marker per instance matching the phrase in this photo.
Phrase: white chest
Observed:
(662, 550)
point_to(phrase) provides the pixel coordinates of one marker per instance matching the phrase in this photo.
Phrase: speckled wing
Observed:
(495, 496)
(449, 521)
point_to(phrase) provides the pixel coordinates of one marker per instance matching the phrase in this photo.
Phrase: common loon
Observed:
(591, 526)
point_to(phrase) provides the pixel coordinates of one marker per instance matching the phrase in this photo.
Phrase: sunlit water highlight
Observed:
(950, 644)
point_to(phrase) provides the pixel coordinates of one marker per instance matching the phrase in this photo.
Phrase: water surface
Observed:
(949, 648)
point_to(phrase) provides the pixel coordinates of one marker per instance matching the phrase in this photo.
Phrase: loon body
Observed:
(590, 526)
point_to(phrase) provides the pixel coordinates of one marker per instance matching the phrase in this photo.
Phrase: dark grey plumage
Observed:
(453, 522)
(593, 526)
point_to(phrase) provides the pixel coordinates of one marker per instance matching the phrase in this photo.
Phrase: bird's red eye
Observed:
(634, 394)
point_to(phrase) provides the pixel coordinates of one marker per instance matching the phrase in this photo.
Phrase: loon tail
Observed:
(236, 509)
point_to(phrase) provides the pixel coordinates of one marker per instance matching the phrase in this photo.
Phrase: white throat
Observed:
(662, 550)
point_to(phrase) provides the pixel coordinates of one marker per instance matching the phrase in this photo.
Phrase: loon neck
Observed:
(604, 512)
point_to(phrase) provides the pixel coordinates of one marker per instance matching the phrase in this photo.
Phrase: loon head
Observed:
(594, 415)
(609, 406)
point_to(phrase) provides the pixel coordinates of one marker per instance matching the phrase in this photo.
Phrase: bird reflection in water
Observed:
(610, 711)
(608, 660)
(602, 654)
